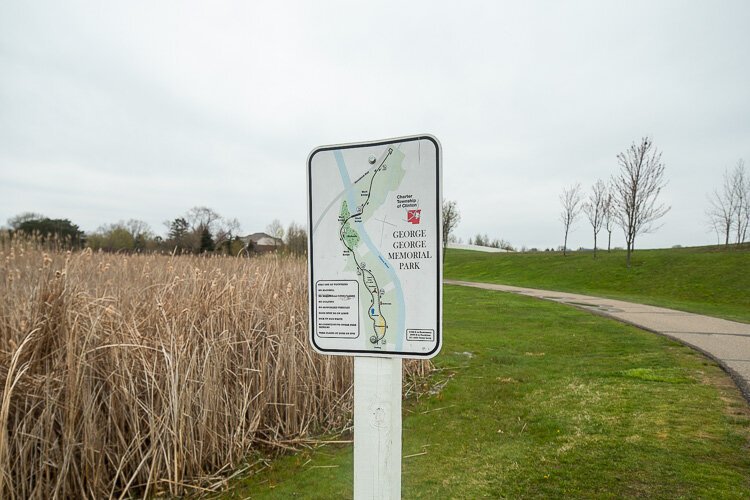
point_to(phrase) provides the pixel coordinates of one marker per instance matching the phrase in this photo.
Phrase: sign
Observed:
(375, 254)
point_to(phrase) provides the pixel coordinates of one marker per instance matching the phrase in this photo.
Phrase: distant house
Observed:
(262, 242)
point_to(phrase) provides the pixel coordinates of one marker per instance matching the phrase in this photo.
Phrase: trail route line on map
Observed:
(348, 234)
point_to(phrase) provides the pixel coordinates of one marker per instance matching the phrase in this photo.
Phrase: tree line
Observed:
(201, 230)
(630, 200)
(451, 218)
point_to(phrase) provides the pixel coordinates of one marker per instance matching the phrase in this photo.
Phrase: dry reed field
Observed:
(145, 375)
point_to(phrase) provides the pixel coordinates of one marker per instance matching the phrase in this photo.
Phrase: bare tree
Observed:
(609, 217)
(715, 227)
(636, 191)
(138, 228)
(275, 229)
(741, 184)
(451, 218)
(296, 240)
(16, 221)
(594, 207)
(570, 199)
(203, 218)
(226, 231)
(481, 241)
(723, 207)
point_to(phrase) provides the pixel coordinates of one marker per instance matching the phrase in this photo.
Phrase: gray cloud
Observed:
(113, 111)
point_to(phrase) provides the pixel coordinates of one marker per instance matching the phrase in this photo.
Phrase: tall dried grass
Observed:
(128, 375)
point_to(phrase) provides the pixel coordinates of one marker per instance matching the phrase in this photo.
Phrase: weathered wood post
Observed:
(377, 428)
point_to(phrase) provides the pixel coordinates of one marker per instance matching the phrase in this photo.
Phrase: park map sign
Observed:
(375, 263)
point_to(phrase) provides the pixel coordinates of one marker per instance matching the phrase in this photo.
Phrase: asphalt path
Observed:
(726, 342)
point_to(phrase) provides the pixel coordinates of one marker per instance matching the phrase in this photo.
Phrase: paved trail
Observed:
(727, 342)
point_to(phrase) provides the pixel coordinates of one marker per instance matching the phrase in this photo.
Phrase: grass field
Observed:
(706, 280)
(543, 400)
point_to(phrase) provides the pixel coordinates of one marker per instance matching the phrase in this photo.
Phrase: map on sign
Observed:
(375, 248)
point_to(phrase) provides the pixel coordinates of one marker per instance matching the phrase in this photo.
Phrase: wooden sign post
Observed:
(377, 427)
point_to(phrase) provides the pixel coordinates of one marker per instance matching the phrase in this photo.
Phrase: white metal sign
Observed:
(375, 263)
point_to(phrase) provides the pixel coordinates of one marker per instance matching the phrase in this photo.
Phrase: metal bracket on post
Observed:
(377, 428)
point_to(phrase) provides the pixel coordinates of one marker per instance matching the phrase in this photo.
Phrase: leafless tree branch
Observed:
(451, 218)
(570, 199)
(595, 207)
(729, 206)
(636, 190)
(609, 216)
(740, 182)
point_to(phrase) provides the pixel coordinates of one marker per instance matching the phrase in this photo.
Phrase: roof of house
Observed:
(262, 238)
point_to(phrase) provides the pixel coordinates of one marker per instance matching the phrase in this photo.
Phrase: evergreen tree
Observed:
(46, 228)
(178, 229)
(178, 234)
(207, 241)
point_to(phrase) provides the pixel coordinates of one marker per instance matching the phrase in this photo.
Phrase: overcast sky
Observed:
(118, 110)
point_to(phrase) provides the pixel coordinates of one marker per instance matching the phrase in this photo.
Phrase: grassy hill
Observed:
(706, 280)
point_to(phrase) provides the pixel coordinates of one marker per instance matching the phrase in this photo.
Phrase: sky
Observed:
(118, 110)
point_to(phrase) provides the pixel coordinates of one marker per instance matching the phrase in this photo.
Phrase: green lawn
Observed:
(707, 280)
(544, 400)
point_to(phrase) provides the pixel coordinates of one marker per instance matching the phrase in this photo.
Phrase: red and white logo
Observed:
(414, 216)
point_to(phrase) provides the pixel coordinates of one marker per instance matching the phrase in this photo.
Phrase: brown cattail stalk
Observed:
(148, 374)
